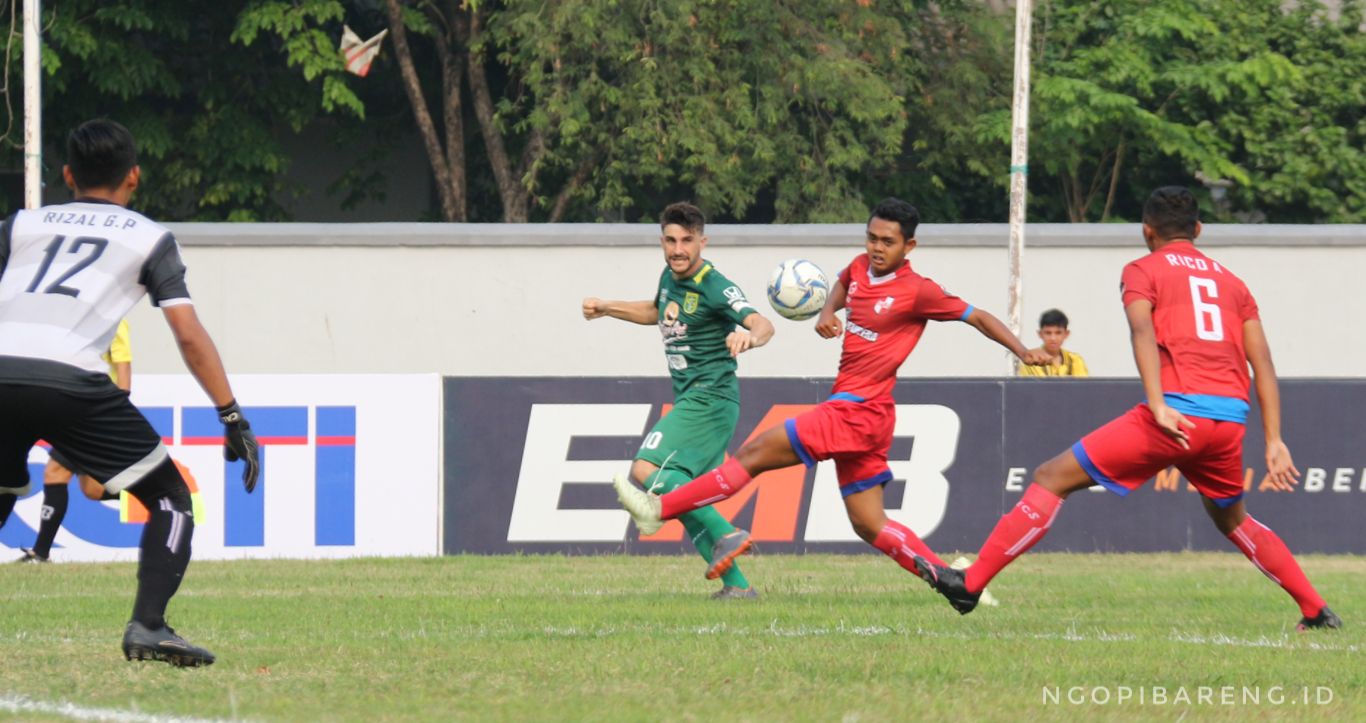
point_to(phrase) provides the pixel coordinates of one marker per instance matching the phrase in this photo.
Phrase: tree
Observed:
(590, 101)
(208, 114)
(1259, 101)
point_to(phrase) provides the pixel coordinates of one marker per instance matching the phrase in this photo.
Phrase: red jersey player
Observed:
(1194, 328)
(888, 306)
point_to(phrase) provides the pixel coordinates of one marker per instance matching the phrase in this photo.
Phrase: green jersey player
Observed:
(706, 322)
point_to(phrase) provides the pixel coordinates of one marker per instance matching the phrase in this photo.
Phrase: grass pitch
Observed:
(843, 638)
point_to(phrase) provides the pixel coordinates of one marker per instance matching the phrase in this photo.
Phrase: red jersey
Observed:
(1198, 312)
(884, 320)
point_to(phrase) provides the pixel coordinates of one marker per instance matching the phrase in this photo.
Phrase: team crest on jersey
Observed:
(690, 300)
(884, 305)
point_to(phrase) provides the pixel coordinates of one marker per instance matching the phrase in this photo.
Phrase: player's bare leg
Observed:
(1016, 532)
(93, 490)
(1266, 550)
(868, 515)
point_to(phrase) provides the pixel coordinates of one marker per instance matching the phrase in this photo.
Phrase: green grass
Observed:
(842, 638)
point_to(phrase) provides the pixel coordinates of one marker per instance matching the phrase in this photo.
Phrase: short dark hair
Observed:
(1053, 317)
(100, 154)
(684, 214)
(1172, 212)
(904, 214)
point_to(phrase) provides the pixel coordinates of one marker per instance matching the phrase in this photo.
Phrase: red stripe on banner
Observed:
(336, 441)
(282, 440)
(207, 441)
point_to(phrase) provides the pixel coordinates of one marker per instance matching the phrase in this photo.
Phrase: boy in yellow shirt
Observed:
(1053, 331)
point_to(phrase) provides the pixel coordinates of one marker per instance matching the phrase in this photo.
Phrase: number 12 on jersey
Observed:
(1209, 323)
(96, 246)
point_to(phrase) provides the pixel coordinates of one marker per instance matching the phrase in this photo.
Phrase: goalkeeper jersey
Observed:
(68, 274)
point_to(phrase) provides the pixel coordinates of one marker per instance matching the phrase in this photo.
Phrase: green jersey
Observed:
(696, 314)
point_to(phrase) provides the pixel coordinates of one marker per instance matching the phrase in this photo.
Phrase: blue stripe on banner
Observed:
(967, 313)
(876, 480)
(1094, 473)
(1226, 501)
(791, 426)
(845, 397)
(162, 420)
(1209, 406)
(244, 515)
(334, 521)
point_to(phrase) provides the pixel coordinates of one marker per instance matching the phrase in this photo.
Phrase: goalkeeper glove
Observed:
(240, 443)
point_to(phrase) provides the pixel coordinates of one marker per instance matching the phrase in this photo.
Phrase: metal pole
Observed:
(1019, 166)
(33, 105)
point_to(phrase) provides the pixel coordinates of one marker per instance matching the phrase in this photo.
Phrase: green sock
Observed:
(704, 526)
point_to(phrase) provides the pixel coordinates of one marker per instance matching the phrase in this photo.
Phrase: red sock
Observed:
(710, 488)
(899, 543)
(1017, 531)
(1265, 549)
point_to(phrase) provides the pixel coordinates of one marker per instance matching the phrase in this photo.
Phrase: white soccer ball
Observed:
(797, 289)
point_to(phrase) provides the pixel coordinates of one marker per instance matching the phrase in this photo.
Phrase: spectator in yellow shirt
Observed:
(59, 471)
(1053, 331)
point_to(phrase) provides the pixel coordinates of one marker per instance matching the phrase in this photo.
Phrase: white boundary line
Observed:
(11, 703)
(1288, 642)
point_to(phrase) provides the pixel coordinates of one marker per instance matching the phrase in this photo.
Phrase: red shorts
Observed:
(856, 434)
(1128, 451)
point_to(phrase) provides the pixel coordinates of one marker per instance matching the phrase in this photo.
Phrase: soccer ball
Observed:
(797, 289)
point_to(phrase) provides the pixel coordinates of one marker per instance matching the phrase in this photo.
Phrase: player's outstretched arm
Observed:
(992, 328)
(636, 312)
(202, 359)
(758, 330)
(1280, 467)
(827, 324)
(1144, 340)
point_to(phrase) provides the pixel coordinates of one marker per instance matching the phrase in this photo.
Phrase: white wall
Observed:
(514, 310)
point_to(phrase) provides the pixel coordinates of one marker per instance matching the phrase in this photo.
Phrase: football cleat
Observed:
(731, 592)
(947, 582)
(643, 506)
(1325, 620)
(724, 552)
(31, 557)
(963, 563)
(143, 643)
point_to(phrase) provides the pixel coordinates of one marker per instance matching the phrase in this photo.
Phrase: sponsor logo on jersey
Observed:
(690, 300)
(853, 288)
(884, 305)
(670, 327)
(857, 330)
(677, 362)
(734, 294)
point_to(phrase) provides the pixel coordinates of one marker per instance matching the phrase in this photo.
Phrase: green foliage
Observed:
(797, 99)
(758, 110)
(207, 113)
(305, 44)
(1243, 94)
